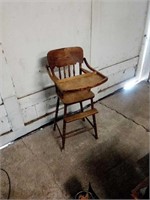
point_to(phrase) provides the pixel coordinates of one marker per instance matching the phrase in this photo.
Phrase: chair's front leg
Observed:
(95, 126)
(94, 120)
(64, 127)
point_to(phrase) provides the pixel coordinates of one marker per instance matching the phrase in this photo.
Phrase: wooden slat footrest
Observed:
(80, 115)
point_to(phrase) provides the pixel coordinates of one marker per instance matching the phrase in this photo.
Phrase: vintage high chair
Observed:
(73, 85)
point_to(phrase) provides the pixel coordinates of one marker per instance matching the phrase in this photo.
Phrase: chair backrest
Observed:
(65, 60)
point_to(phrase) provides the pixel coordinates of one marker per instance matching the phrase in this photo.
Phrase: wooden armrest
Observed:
(85, 70)
(92, 69)
(52, 76)
(87, 64)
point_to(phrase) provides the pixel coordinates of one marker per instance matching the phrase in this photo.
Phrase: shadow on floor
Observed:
(110, 172)
(115, 173)
(73, 186)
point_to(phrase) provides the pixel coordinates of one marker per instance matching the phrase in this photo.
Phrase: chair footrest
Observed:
(80, 115)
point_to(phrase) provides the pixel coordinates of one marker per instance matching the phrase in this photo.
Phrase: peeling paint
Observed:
(6, 60)
(13, 82)
(46, 88)
(5, 133)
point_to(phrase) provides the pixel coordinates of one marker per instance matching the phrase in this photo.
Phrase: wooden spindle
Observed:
(74, 70)
(64, 72)
(80, 71)
(69, 73)
(59, 73)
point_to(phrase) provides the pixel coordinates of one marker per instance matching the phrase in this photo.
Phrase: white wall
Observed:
(117, 34)
(143, 69)
(32, 29)
(110, 32)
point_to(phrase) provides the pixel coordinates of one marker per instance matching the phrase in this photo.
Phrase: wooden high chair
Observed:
(73, 84)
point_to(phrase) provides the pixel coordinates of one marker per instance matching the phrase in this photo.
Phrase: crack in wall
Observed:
(146, 129)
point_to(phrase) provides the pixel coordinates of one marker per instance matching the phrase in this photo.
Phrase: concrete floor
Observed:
(114, 164)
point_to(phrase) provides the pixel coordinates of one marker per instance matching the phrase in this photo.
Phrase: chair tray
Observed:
(80, 82)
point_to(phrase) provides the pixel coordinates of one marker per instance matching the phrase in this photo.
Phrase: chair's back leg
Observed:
(94, 120)
(81, 106)
(56, 113)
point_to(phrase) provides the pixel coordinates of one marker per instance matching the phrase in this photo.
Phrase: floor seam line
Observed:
(28, 148)
(45, 164)
(147, 130)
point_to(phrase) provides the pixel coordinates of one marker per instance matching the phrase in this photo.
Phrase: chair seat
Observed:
(76, 97)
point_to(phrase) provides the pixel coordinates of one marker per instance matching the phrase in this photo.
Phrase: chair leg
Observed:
(64, 127)
(56, 114)
(94, 120)
(95, 126)
(81, 106)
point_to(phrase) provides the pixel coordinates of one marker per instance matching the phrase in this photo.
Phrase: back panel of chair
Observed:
(65, 60)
